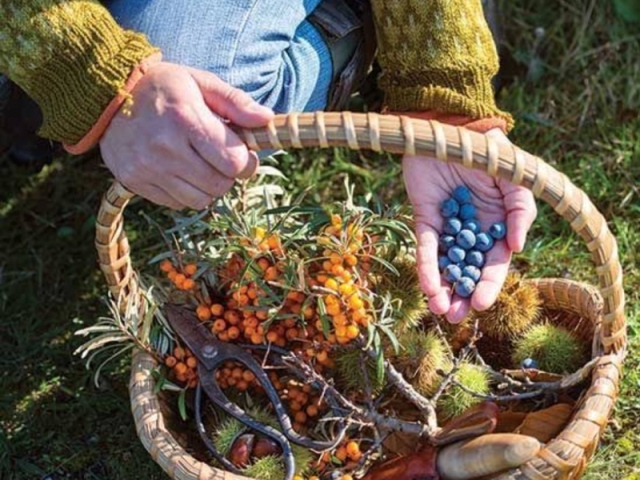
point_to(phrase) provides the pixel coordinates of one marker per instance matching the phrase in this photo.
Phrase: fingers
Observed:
(221, 148)
(459, 310)
(494, 274)
(521, 212)
(229, 102)
(431, 282)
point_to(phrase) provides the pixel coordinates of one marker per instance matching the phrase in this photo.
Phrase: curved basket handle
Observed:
(404, 135)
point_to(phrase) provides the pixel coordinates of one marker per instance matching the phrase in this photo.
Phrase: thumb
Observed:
(230, 102)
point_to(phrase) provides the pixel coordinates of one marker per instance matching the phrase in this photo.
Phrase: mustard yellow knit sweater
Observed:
(72, 58)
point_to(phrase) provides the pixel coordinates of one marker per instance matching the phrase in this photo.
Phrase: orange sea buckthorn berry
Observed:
(170, 361)
(341, 453)
(333, 309)
(180, 368)
(272, 336)
(312, 410)
(188, 284)
(190, 269)
(337, 270)
(340, 320)
(191, 362)
(346, 476)
(217, 310)
(300, 417)
(355, 302)
(336, 219)
(263, 263)
(322, 356)
(351, 260)
(352, 332)
(233, 332)
(179, 353)
(308, 312)
(259, 233)
(346, 289)
(219, 325)
(257, 339)
(331, 284)
(335, 259)
(327, 265)
(172, 275)
(166, 266)
(271, 274)
(203, 312)
(352, 447)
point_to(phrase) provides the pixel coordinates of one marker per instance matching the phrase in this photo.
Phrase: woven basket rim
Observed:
(566, 455)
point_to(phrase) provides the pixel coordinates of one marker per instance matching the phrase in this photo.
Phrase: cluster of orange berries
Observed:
(182, 366)
(347, 453)
(181, 278)
(342, 274)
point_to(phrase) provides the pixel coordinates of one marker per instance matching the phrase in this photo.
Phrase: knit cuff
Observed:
(74, 87)
(121, 102)
(467, 94)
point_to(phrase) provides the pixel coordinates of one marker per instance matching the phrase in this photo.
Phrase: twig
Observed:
(379, 420)
(426, 406)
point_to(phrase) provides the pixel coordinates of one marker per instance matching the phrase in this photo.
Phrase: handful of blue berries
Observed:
(462, 244)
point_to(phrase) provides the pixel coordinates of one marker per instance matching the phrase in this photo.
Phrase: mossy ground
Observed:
(576, 96)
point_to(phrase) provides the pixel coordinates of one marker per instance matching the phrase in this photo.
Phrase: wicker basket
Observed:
(564, 457)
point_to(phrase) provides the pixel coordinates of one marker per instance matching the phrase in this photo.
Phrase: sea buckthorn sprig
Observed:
(462, 244)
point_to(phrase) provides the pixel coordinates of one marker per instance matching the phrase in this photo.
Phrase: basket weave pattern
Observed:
(564, 457)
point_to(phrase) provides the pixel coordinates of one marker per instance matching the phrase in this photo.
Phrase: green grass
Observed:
(576, 96)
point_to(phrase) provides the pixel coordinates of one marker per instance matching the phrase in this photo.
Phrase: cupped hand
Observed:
(429, 182)
(176, 148)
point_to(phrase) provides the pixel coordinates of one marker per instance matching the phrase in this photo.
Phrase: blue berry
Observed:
(471, 224)
(452, 226)
(471, 272)
(484, 242)
(465, 287)
(475, 258)
(466, 239)
(452, 273)
(498, 230)
(462, 194)
(467, 211)
(456, 254)
(443, 262)
(445, 242)
(449, 208)
(529, 363)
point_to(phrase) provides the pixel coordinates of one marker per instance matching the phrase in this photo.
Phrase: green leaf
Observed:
(182, 404)
(392, 337)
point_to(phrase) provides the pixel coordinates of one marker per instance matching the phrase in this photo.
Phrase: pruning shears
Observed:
(211, 353)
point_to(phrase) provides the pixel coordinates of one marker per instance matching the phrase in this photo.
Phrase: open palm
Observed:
(429, 182)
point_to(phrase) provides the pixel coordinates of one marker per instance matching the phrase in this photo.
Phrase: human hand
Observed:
(176, 148)
(428, 182)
